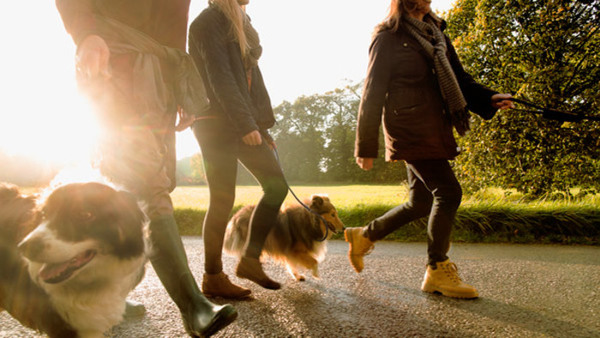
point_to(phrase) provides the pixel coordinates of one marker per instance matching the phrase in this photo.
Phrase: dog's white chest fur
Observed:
(93, 308)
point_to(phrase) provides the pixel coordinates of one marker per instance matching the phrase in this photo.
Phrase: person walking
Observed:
(416, 84)
(131, 61)
(226, 49)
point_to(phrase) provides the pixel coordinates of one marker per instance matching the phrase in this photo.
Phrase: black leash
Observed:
(327, 224)
(552, 114)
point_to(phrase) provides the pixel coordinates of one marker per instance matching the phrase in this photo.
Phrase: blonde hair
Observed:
(398, 8)
(236, 15)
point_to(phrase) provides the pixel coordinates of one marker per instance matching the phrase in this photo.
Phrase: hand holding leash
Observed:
(365, 163)
(92, 58)
(185, 120)
(502, 101)
(253, 138)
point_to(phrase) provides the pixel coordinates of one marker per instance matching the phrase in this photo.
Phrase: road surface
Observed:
(525, 291)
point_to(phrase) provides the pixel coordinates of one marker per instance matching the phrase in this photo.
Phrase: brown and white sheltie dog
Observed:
(296, 240)
(72, 258)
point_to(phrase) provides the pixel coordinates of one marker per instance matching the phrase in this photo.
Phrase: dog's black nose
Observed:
(31, 247)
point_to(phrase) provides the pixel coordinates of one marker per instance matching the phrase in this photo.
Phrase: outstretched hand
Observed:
(365, 163)
(253, 138)
(92, 58)
(184, 120)
(502, 101)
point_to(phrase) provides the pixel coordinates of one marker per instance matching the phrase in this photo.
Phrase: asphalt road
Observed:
(525, 291)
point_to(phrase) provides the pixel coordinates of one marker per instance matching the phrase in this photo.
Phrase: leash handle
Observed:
(525, 102)
(299, 201)
(552, 114)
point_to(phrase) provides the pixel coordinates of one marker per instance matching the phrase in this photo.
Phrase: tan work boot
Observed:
(219, 285)
(446, 281)
(360, 246)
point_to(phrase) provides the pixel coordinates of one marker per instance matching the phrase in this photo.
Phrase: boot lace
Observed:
(451, 272)
(367, 250)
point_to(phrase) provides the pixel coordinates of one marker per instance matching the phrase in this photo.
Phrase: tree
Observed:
(315, 137)
(546, 52)
(338, 159)
(300, 138)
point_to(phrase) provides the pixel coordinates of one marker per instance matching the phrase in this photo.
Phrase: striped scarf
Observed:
(431, 38)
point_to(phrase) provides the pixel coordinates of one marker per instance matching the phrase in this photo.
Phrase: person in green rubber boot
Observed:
(131, 62)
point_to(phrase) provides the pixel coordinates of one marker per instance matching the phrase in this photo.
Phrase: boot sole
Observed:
(348, 238)
(216, 295)
(225, 317)
(264, 284)
(433, 289)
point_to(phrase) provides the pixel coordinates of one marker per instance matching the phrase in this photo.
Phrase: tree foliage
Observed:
(315, 140)
(546, 52)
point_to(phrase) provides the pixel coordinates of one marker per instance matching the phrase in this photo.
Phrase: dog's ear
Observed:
(316, 201)
(130, 225)
(17, 214)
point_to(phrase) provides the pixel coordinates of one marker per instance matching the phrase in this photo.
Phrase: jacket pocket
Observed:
(405, 101)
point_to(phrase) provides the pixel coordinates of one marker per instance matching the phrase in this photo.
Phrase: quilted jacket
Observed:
(237, 105)
(401, 90)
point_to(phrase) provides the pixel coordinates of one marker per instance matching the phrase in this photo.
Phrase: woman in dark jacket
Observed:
(416, 84)
(226, 49)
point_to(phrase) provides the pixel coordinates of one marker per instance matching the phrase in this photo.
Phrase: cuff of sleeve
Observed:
(245, 130)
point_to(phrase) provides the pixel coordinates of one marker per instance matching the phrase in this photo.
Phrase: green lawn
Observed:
(342, 196)
(493, 215)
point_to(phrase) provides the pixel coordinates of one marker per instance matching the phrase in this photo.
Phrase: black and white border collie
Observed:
(85, 249)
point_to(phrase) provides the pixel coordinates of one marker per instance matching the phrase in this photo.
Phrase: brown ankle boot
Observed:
(250, 268)
(219, 285)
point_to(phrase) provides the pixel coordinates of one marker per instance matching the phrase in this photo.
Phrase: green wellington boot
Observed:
(201, 318)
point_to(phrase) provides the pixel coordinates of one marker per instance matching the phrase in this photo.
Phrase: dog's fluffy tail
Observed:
(237, 232)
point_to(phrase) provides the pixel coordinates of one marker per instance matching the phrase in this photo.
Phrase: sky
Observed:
(309, 47)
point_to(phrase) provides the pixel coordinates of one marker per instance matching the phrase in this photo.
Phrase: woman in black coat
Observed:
(417, 86)
(226, 49)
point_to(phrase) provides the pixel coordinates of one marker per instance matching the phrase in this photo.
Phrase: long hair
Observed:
(235, 13)
(398, 8)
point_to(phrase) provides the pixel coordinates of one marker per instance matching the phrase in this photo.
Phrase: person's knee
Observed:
(220, 205)
(449, 197)
(275, 192)
(420, 207)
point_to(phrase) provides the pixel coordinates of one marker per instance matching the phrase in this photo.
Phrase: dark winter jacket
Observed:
(218, 58)
(401, 88)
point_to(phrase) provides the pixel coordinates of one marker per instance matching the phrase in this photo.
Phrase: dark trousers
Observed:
(221, 152)
(434, 191)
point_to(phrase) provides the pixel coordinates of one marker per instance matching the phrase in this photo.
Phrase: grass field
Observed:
(493, 215)
(343, 196)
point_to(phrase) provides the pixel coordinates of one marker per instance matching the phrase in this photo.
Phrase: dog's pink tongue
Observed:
(55, 273)
(50, 271)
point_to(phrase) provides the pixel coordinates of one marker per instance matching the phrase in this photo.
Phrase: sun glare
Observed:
(45, 118)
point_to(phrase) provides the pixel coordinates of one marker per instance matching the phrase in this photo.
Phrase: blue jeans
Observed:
(434, 191)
